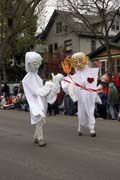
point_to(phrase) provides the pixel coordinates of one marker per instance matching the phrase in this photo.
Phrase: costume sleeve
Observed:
(51, 98)
(72, 91)
(50, 89)
(69, 88)
(45, 90)
(65, 84)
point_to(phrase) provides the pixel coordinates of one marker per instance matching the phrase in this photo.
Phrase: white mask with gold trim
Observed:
(79, 60)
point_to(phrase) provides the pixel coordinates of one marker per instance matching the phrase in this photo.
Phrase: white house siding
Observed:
(60, 38)
(85, 44)
(79, 43)
(75, 43)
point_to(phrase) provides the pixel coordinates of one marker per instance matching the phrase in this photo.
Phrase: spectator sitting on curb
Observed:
(9, 103)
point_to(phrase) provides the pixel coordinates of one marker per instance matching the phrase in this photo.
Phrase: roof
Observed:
(113, 43)
(76, 25)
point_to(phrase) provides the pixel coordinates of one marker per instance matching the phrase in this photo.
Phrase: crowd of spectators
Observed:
(15, 100)
(109, 94)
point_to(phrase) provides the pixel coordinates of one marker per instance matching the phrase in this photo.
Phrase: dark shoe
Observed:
(41, 143)
(93, 134)
(36, 141)
(80, 133)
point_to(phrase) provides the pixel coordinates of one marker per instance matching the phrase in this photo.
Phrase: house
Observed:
(65, 34)
(100, 55)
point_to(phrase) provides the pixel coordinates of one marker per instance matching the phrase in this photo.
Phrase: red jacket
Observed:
(115, 80)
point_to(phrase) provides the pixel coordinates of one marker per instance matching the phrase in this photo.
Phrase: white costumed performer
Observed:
(37, 94)
(81, 86)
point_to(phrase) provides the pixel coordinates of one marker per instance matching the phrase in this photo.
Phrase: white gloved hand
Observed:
(57, 78)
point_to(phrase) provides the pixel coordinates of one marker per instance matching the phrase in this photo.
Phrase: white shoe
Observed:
(42, 143)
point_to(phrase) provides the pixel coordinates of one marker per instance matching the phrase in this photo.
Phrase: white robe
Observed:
(36, 95)
(86, 99)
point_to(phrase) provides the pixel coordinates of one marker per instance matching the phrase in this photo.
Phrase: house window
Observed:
(117, 64)
(55, 46)
(58, 27)
(116, 26)
(68, 45)
(50, 48)
(93, 44)
(65, 28)
(103, 67)
(113, 27)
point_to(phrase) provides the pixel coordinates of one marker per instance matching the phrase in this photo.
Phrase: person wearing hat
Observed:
(38, 95)
(113, 100)
(80, 86)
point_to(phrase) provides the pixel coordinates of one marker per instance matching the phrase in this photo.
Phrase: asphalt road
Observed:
(66, 157)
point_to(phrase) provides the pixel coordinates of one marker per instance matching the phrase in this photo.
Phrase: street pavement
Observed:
(67, 156)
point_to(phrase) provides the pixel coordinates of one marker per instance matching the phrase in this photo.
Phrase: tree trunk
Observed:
(3, 51)
(110, 63)
(0, 71)
(4, 72)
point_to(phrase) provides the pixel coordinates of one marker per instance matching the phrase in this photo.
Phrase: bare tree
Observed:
(17, 16)
(97, 16)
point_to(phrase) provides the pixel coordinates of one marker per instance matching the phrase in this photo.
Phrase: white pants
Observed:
(91, 127)
(89, 122)
(39, 131)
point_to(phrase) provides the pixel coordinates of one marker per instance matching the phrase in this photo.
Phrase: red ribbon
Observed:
(79, 85)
